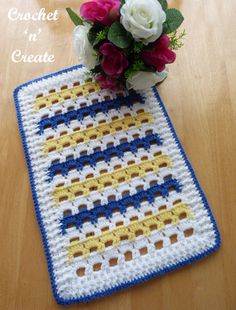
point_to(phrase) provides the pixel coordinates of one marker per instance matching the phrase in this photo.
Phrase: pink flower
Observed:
(160, 54)
(114, 61)
(106, 82)
(103, 11)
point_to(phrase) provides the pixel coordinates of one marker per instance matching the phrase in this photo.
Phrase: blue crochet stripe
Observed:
(106, 155)
(92, 110)
(195, 257)
(121, 205)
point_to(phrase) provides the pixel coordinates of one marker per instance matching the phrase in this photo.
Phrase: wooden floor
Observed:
(200, 96)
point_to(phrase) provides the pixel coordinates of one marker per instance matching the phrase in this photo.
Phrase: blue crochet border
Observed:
(40, 221)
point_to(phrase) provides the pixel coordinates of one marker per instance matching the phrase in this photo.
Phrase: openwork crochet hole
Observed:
(97, 267)
(143, 251)
(128, 256)
(188, 232)
(80, 272)
(158, 244)
(113, 261)
(173, 239)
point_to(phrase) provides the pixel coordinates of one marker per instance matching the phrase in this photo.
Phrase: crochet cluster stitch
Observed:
(116, 199)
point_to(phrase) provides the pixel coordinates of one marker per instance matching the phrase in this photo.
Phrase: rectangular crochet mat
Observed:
(116, 199)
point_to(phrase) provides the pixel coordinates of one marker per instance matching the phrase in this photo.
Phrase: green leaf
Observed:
(97, 69)
(92, 35)
(119, 36)
(74, 17)
(101, 35)
(173, 20)
(176, 40)
(138, 47)
(164, 4)
(122, 2)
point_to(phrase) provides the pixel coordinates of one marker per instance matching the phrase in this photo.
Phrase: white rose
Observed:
(142, 80)
(143, 19)
(83, 48)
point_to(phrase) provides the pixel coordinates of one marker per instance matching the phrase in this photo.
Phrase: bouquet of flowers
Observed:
(127, 43)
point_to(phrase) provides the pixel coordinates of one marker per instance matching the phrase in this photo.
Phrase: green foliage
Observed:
(119, 36)
(96, 70)
(164, 4)
(138, 46)
(92, 34)
(138, 65)
(96, 33)
(176, 40)
(88, 75)
(74, 17)
(173, 20)
(101, 35)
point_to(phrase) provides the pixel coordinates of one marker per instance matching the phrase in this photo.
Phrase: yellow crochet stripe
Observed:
(71, 93)
(130, 232)
(113, 179)
(97, 132)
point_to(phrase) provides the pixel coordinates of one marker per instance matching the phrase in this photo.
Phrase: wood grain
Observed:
(200, 97)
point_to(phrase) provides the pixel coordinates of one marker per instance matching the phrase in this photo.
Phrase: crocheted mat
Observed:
(116, 199)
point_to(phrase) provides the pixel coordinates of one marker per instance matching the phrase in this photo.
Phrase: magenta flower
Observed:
(114, 61)
(103, 11)
(160, 54)
(106, 82)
